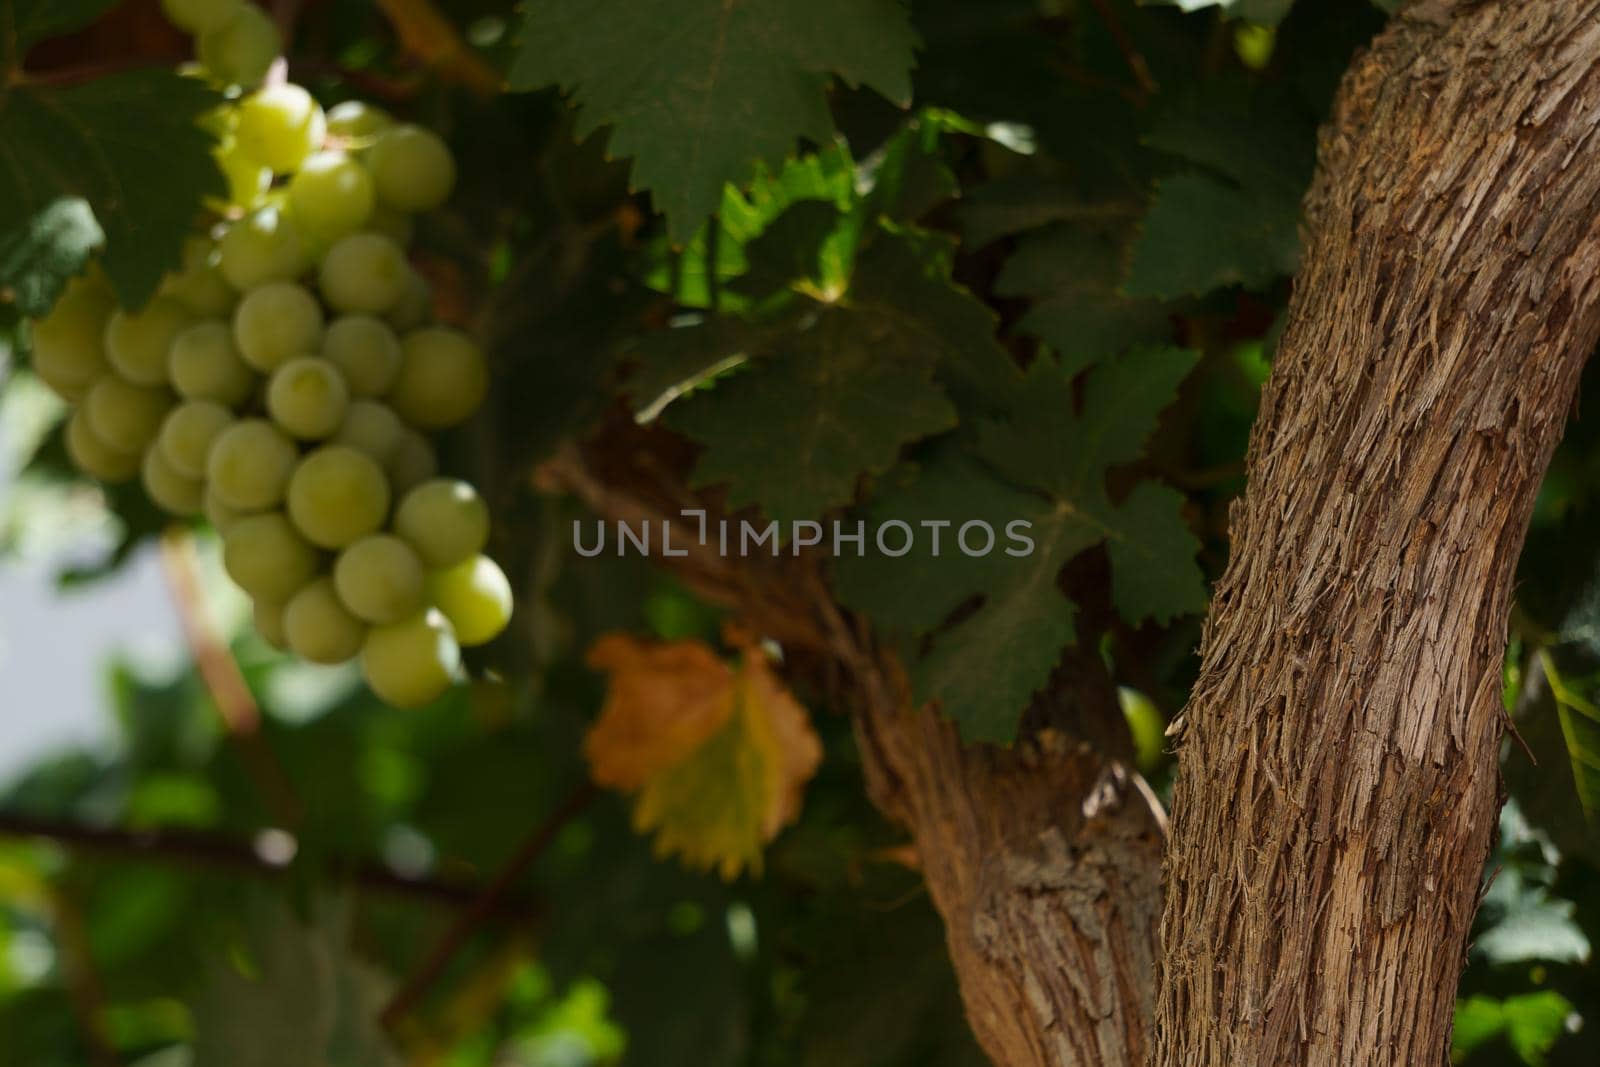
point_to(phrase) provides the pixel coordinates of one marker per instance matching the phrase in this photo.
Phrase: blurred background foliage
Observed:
(1108, 175)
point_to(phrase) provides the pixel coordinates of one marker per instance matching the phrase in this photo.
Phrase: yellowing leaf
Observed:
(663, 701)
(719, 757)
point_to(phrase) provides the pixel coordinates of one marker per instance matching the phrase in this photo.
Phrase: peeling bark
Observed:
(1338, 777)
(1045, 862)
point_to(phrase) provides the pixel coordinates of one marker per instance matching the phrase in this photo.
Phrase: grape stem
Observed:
(236, 707)
(223, 852)
(433, 965)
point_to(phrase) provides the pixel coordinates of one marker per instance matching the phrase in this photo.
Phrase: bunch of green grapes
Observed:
(283, 380)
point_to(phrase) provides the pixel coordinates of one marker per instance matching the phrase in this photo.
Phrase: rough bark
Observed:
(1338, 782)
(1045, 862)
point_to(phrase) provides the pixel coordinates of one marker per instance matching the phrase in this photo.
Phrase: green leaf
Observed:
(1045, 445)
(1203, 234)
(794, 432)
(984, 671)
(305, 1000)
(698, 91)
(1525, 923)
(1071, 273)
(1012, 205)
(984, 667)
(1153, 574)
(687, 274)
(792, 249)
(1579, 722)
(24, 23)
(1236, 221)
(94, 142)
(903, 281)
(1531, 1024)
(49, 250)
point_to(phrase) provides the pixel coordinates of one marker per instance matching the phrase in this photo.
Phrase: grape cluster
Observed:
(282, 381)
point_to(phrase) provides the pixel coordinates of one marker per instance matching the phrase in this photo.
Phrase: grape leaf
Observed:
(687, 274)
(698, 91)
(1236, 220)
(794, 431)
(717, 756)
(1071, 273)
(24, 23)
(92, 141)
(317, 1003)
(903, 281)
(49, 250)
(1202, 234)
(1531, 1023)
(1022, 202)
(833, 399)
(984, 667)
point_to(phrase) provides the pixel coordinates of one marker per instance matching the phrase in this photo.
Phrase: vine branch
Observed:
(433, 965)
(226, 853)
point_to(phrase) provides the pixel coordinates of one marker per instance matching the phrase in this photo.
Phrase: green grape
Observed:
(69, 343)
(365, 272)
(269, 624)
(241, 48)
(248, 178)
(380, 579)
(412, 662)
(412, 463)
(263, 247)
(189, 432)
(475, 596)
(415, 307)
(199, 285)
(93, 456)
(371, 428)
(338, 496)
(171, 491)
(445, 520)
(443, 378)
(198, 16)
(125, 416)
(281, 125)
(331, 196)
(220, 515)
(138, 343)
(366, 351)
(250, 464)
(358, 122)
(308, 398)
(205, 365)
(275, 323)
(395, 225)
(321, 629)
(412, 169)
(267, 558)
